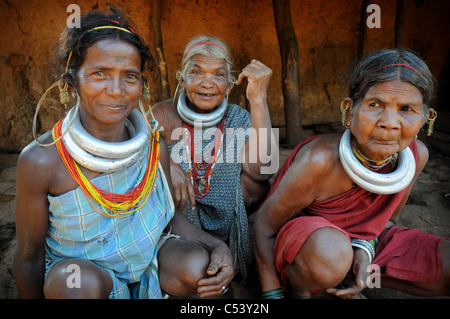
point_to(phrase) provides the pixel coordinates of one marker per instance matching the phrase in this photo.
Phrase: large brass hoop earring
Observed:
(41, 100)
(430, 122)
(344, 114)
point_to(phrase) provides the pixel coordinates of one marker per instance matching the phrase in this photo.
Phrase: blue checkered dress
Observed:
(124, 246)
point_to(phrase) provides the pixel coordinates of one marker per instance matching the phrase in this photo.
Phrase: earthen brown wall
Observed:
(327, 33)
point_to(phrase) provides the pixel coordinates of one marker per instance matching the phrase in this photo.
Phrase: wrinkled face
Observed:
(389, 117)
(205, 83)
(109, 82)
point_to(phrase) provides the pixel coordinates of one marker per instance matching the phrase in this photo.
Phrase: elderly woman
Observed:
(332, 209)
(216, 179)
(92, 197)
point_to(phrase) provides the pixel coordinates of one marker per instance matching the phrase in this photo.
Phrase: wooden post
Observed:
(156, 23)
(290, 72)
(400, 23)
(362, 29)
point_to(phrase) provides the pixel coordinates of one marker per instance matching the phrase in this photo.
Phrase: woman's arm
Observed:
(300, 186)
(261, 150)
(31, 222)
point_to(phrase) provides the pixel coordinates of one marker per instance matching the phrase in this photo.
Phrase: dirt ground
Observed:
(428, 209)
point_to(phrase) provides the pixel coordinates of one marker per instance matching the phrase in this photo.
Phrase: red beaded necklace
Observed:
(199, 171)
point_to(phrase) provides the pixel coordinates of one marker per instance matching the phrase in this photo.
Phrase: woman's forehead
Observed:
(207, 62)
(395, 88)
(113, 51)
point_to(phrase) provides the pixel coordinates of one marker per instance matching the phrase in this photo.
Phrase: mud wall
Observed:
(327, 32)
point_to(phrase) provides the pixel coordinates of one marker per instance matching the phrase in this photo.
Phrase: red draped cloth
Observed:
(402, 253)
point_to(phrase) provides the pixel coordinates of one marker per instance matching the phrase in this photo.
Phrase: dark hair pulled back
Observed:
(78, 40)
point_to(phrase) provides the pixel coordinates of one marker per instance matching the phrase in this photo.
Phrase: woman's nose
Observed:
(115, 87)
(207, 80)
(389, 119)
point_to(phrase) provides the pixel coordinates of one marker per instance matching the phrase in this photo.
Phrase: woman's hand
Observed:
(221, 271)
(182, 187)
(258, 76)
(356, 279)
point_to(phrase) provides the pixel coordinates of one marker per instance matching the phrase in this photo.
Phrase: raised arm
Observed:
(261, 141)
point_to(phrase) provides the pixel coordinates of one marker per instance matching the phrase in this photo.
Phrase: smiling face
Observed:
(389, 117)
(205, 83)
(109, 84)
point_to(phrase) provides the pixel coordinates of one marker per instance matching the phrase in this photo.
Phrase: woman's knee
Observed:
(195, 265)
(77, 278)
(181, 266)
(324, 259)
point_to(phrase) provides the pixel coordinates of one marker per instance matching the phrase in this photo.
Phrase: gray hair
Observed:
(204, 45)
(371, 68)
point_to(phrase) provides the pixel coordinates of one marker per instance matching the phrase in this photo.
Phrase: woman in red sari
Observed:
(332, 209)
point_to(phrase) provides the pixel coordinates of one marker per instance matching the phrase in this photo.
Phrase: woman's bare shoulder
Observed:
(423, 155)
(167, 117)
(163, 110)
(322, 153)
(38, 158)
(162, 106)
(318, 167)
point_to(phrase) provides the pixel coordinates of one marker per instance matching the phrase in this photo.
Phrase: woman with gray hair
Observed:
(217, 182)
(331, 212)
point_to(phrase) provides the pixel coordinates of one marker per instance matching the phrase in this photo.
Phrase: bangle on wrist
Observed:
(365, 245)
(273, 294)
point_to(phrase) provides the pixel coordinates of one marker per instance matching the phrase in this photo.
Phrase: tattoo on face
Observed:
(120, 58)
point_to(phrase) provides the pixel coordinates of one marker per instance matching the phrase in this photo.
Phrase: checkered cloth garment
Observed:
(125, 246)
